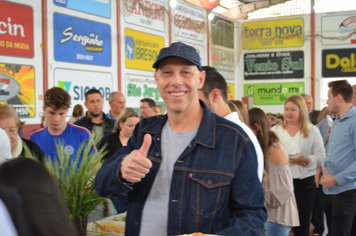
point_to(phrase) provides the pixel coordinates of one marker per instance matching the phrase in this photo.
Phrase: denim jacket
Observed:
(215, 188)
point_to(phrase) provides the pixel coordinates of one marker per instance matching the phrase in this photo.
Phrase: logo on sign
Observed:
(130, 47)
(250, 90)
(346, 25)
(91, 42)
(65, 85)
(11, 29)
(16, 30)
(9, 88)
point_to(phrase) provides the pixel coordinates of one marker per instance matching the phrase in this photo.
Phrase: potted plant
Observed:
(76, 181)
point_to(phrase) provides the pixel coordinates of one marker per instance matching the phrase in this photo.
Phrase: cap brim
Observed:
(158, 62)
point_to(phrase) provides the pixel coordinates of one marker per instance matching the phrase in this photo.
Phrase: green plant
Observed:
(75, 177)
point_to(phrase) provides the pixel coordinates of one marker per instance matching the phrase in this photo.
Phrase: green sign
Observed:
(272, 93)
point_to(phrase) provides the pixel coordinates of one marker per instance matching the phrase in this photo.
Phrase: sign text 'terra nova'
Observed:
(273, 34)
(339, 62)
(16, 30)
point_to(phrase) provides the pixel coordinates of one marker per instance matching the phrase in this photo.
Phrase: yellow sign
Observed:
(141, 49)
(17, 88)
(273, 34)
(230, 92)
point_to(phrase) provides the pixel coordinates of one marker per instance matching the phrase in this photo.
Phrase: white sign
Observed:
(138, 87)
(223, 61)
(77, 83)
(148, 14)
(337, 29)
(189, 22)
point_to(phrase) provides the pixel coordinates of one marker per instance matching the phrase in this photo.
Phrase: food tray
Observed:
(91, 232)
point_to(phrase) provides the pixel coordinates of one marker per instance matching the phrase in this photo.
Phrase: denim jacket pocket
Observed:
(209, 192)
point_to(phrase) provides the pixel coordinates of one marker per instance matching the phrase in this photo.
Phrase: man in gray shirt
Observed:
(189, 170)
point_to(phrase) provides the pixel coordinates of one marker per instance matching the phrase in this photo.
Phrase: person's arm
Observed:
(324, 128)
(248, 213)
(125, 167)
(280, 183)
(318, 149)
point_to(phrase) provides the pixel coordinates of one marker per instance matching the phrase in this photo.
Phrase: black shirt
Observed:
(113, 144)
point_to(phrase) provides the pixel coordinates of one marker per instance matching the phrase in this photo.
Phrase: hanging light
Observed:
(211, 16)
(173, 3)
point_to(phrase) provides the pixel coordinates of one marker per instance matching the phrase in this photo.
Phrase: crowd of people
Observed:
(206, 164)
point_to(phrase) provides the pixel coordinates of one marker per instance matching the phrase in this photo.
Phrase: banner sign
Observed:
(95, 7)
(16, 30)
(272, 93)
(77, 83)
(338, 29)
(230, 91)
(141, 49)
(273, 34)
(148, 14)
(189, 22)
(223, 61)
(274, 65)
(81, 41)
(138, 87)
(17, 88)
(339, 63)
(222, 32)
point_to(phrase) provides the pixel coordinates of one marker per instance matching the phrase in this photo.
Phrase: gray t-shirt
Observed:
(155, 212)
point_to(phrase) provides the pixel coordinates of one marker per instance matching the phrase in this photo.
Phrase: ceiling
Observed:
(234, 9)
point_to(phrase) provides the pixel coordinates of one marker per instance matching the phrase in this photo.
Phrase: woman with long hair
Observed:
(33, 199)
(305, 147)
(277, 181)
(124, 126)
(243, 110)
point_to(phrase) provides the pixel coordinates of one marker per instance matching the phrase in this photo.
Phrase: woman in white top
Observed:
(304, 144)
(277, 181)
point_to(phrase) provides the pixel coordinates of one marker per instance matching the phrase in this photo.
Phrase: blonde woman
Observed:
(305, 147)
(124, 126)
(277, 181)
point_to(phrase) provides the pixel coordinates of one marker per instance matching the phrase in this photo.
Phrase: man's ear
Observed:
(216, 94)
(201, 79)
(339, 98)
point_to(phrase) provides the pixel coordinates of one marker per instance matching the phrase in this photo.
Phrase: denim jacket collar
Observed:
(206, 131)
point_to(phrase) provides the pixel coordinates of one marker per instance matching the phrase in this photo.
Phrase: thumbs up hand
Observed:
(328, 180)
(136, 165)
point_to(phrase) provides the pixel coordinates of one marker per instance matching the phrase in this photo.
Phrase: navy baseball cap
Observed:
(178, 49)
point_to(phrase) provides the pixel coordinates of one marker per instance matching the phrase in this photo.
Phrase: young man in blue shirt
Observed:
(56, 105)
(338, 176)
(189, 170)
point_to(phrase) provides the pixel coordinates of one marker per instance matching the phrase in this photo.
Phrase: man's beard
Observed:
(92, 114)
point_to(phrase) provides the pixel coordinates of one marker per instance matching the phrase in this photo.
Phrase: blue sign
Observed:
(95, 7)
(81, 41)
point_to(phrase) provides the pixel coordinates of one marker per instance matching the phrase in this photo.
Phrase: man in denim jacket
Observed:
(187, 171)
